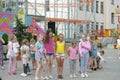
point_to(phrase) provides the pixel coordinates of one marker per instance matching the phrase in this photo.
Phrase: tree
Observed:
(21, 31)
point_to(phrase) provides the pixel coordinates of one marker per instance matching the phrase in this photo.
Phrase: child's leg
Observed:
(95, 63)
(58, 65)
(10, 65)
(74, 67)
(61, 65)
(37, 70)
(1, 59)
(86, 62)
(28, 68)
(71, 64)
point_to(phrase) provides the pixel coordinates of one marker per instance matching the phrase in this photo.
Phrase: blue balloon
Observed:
(28, 20)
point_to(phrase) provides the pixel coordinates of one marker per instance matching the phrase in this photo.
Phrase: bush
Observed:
(5, 38)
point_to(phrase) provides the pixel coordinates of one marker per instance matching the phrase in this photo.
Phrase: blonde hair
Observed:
(32, 40)
(11, 37)
(25, 42)
(23, 51)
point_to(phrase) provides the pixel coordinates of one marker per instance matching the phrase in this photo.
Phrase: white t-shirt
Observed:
(118, 41)
(101, 58)
(15, 47)
(25, 59)
(27, 49)
(33, 47)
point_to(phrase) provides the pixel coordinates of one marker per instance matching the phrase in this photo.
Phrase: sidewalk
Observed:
(111, 70)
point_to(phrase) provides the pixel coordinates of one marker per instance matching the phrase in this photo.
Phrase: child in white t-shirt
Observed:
(16, 49)
(25, 62)
(100, 59)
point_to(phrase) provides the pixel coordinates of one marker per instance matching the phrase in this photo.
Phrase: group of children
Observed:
(42, 51)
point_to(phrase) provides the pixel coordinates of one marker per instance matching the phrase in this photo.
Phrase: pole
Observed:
(35, 8)
(94, 15)
(26, 10)
(68, 30)
(16, 7)
(45, 27)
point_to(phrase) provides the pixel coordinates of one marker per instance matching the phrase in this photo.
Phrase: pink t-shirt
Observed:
(49, 46)
(73, 53)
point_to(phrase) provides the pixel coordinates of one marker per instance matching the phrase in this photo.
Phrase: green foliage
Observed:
(5, 38)
(21, 32)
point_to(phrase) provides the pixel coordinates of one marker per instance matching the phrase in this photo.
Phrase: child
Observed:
(100, 59)
(25, 62)
(39, 56)
(60, 55)
(16, 49)
(72, 53)
(1, 53)
(118, 45)
(84, 47)
(32, 50)
(26, 47)
(94, 55)
(50, 49)
(11, 56)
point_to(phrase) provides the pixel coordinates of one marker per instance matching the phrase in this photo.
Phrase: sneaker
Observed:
(82, 75)
(36, 78)
(119, 57)
(61, 77)
(46, 78)
(71, 76)
(3, 68)
(29, 73)
(42, 78)
(86, 75)
(23, 75)
(74, 76)
(9, 73)
(50, 76)
(14, 73)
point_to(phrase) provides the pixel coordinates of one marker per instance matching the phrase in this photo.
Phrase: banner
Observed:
(6, 23)
(35, 29)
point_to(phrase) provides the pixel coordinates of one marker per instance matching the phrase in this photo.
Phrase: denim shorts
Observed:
(32, 56)
(49, 54)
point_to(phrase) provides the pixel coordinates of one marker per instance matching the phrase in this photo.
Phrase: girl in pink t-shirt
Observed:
(72, 53)
(50, 50)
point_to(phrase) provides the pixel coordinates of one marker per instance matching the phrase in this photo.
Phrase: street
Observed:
(110, 71)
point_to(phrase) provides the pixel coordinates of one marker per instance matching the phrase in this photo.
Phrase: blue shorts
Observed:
(49, 54)
(33, 56)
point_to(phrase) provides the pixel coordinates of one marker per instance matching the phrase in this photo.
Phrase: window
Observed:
(102, 8)
(92, 7)
(117, 6)
(97, 5)
(112, 18)
(80, 8)
(97, 25)
(112, 2)
(87, 28)
(87, 7)
(81, 28)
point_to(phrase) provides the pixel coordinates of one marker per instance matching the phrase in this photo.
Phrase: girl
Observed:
(60, 55)
(32, 50)
(16, 49)
(11, 56)
(84, 47)
(25, 62)
(118, 45)
(1, 53)
(39, 56)
(49, 46)
(72, 53)
(94, 55)
(25, 43)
